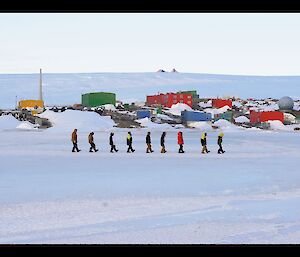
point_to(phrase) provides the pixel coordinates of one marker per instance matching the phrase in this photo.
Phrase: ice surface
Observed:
(248, 195)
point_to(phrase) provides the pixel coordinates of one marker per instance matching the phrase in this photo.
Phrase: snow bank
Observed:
(205, 105)
(176, 109)
(242, 119)
(237, 104)
(278, 125)
(26, 125)
(202, 125)
(164, 117)
(8, 122)
(268, 108)
(296, 106)
(217, 111)
(83, 121)
(146, 122)
(109, 107)
(226, 125)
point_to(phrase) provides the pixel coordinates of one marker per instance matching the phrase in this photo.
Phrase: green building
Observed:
(192, 92)
(98, 98)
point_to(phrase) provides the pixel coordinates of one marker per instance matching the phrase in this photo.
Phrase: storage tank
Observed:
(98, 98)
(286, 103)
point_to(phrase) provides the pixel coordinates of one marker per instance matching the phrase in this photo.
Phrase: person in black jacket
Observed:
(148, 142)
(220, 140)
(162, 142)
(129, 143)
(111, 142)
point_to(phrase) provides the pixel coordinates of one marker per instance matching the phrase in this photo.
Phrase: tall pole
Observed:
(41, 92)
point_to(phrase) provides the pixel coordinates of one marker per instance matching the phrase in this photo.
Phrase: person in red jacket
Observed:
(180, 142)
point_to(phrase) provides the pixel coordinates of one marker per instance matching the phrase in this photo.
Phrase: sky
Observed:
(227, 43)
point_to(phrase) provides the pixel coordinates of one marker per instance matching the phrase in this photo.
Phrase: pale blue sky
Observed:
(249, 44)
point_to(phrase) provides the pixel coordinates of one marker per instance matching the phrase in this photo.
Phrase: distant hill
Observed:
(62, 89)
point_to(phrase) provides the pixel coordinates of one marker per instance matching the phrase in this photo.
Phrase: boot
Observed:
(96, 150)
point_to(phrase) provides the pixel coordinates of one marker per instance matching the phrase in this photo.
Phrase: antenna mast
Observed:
(41, 91)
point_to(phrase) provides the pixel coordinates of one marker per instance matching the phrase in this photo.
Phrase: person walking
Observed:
(180, 142)
(148, 142)
(129, 143)
(204, 143)
(74, 141)
(91, 142)
(220, 140)
(111, 142)
(162, 142)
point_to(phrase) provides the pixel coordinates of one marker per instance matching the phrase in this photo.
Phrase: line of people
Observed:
(129, 140)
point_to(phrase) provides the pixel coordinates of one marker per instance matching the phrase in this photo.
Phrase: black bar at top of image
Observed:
(149, 6)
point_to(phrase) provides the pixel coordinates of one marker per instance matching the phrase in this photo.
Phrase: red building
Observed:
(219, 103)
(167, 100)
(257, 117)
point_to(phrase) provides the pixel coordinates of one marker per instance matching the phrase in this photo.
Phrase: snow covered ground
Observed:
(48, 194)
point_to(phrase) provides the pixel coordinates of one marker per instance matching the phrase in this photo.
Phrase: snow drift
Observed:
(242, 119)
(176, 109)
(8, 122)
(83, 121)
(202, 125)
(26, 125)
(146, 122)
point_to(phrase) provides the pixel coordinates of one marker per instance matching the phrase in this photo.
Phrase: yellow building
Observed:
(35, 106)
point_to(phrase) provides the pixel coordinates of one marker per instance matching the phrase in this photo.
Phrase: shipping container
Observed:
(143, 114)
(219, 103)
(195, 116)
(98, 98)
(225, 116)
(258, 117)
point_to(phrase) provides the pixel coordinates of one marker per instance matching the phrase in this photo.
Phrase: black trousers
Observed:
(130, 148)
(75, 147)
(93, 146)
(113, 148)
(149, 148)
(220, 149)
(180, 149)
(163, 148)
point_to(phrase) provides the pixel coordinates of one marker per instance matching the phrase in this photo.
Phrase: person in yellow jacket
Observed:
(220, 140)
(204, 143)
(129, 143)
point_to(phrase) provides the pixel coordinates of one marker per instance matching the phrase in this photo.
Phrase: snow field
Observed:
(248, 195)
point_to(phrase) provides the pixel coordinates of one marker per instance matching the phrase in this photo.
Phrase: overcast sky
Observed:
(249, 44)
